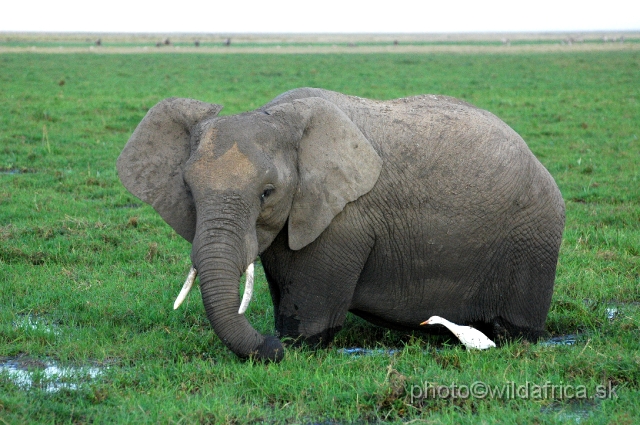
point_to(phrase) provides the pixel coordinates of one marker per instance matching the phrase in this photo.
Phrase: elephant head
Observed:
(230, 184)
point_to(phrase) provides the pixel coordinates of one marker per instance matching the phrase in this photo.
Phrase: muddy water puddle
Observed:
(571, 412)
(47, 376)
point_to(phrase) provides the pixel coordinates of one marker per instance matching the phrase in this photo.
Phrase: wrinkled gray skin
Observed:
(394, 210)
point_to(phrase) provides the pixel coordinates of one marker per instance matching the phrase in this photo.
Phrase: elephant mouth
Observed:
(246, 296)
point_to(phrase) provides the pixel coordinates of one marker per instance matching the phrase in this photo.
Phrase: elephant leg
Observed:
(528, 297)
(312, 289)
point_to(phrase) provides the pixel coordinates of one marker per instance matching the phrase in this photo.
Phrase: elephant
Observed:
(392, 210)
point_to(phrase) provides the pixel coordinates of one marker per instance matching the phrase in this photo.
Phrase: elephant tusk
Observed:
(191, 277)
(248, 290)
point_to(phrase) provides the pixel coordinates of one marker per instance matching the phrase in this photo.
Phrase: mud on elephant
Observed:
(393, 210)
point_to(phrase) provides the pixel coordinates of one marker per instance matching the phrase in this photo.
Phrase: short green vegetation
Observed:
(88, 273)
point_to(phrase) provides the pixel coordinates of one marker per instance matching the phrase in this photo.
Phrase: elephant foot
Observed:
(319, 340)
(502, 331)
(322, 339)
(290, 332)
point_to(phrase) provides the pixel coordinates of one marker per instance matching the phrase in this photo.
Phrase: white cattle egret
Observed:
(470, 337)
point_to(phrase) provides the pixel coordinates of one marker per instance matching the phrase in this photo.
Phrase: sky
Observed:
(323, 16)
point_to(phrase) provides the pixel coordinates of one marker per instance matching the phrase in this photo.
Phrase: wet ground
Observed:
(47, 376)
(50, 376)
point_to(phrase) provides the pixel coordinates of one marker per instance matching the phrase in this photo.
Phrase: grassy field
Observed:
(88, 274)
(317, 43)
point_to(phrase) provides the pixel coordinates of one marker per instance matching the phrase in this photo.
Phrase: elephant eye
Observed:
(267, 192)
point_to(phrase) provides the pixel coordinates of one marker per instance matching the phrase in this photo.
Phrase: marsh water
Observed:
(47, 376)
(50, 376)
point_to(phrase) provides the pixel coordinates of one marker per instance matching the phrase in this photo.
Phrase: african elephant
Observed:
(393, 210)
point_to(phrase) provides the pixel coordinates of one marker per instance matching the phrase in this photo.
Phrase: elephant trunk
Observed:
(220, 256)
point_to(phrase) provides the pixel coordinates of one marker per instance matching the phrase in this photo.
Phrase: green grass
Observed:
(77, 40)
(248, 44)
(98, 270)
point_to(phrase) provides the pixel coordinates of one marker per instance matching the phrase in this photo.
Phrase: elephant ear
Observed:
(151, 163)
(336, 165)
